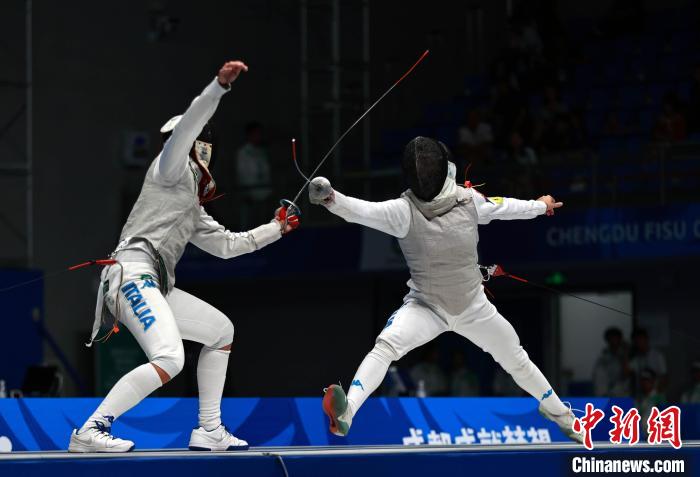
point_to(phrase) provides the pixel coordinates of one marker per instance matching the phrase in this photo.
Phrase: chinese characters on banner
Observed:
(516, 435)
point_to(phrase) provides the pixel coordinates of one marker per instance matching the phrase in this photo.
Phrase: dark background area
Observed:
(103, 71)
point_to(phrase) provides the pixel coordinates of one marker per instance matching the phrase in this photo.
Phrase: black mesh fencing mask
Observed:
(424, 167)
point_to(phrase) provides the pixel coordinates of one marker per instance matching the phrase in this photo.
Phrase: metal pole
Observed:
(335, 89)
(366, 143)
(30, 135)
(304, 93)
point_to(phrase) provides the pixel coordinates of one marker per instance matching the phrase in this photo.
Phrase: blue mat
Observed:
(551, 459)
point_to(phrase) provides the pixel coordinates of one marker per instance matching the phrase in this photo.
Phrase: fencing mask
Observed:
(202, 152)
(424, 167)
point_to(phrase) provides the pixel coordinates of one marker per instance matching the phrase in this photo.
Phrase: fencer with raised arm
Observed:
(436, 224)
(139, 291)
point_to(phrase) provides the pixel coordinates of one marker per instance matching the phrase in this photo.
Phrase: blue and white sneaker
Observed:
(219, 439)
(98, 439)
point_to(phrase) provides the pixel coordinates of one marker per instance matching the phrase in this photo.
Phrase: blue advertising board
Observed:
(46, 424)
(597, 234)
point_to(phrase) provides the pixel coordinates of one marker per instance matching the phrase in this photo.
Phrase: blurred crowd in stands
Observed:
(610, 87)
(559, 95)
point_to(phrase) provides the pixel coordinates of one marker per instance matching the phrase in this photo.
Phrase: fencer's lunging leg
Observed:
(161, 342)
(130, 390)
(486, 328)
(198, 321)
(369, 375)
(495, 335)
(211, 377)
(410, 326)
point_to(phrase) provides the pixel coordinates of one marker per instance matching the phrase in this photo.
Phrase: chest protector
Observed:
(441, 255)
(167, 216)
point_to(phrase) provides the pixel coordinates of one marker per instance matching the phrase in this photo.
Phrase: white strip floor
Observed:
(339, 450)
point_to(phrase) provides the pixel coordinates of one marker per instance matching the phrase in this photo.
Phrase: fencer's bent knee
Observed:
(225, 337)
(170, 359)
(384, 352)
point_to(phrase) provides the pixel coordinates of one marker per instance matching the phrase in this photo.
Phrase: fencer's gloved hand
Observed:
(320, 191)
(287, 222)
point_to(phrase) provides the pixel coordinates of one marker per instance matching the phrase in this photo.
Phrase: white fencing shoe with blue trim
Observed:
(219, 439)
(98, 439)
(565, 422)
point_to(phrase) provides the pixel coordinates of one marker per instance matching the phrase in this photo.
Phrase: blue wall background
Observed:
(21, 321)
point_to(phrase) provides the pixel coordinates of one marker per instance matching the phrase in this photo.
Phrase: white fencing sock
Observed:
(552, 403)
(127, 393)
(367, 379)
(530, 378)
(211, 376)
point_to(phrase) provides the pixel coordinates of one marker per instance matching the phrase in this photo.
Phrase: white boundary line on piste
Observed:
(340, 450)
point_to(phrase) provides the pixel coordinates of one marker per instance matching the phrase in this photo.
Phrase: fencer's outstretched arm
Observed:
(505, 208)
(214, 238)
(172, 161)
(392, 217)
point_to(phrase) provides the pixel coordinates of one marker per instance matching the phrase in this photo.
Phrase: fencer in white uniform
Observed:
(138, 291)
(435, 222)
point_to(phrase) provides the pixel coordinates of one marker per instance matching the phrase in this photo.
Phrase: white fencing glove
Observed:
(320, 191)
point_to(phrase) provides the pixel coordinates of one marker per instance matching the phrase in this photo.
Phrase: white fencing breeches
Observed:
(159, 324)
(415, 324)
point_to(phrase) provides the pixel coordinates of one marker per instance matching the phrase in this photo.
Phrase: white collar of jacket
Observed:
(444, 201)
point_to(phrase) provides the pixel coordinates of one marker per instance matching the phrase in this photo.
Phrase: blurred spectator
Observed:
(670, 126)
(692, 395)
(613, 125)
(509, 109)
(609, 372)
(521, 184)
(649, 396)
(397, 382)
(694, 101)
(518, 153)
(554, 129)
(644, 357)
(463, 381)
(530, 39)
(553, 105)
(504, 385)
(579, 134)
(428, 372)
(475, 138)
(253, 168)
